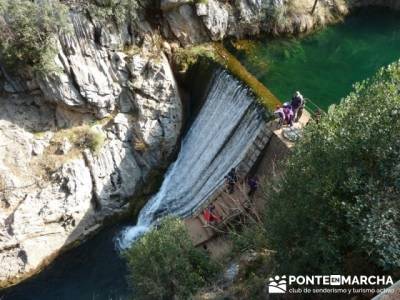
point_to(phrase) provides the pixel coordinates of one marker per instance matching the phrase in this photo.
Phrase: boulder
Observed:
(215, 16)
(186, 26)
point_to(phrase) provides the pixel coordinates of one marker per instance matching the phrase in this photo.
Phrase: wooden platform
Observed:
(231, 206)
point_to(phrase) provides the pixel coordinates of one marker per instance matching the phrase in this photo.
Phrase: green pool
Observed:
(324, 66)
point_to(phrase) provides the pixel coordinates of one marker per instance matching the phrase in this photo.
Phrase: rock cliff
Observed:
(76, 145)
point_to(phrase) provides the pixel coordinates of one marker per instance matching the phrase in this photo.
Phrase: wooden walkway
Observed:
(232, 206)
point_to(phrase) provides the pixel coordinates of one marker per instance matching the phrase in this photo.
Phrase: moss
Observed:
(264, 95)
(216, 52)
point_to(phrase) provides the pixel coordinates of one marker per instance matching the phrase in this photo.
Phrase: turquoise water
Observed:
(325, 65)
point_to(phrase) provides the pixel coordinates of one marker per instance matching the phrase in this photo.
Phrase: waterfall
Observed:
(217, 141)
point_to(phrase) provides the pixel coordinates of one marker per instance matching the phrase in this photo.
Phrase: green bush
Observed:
(29, 33)
(164, 263)
(339, 197)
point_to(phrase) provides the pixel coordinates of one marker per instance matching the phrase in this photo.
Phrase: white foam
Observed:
(218, 140)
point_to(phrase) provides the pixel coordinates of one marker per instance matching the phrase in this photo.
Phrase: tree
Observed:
(339, 196)
(29, 32)
(164, 263)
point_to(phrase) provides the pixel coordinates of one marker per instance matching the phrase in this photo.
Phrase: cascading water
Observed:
(217, 141)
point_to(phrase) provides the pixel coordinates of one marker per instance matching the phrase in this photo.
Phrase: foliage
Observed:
(29, 33)
(86, 137)
(119, 11)
(164, 263)
(186, 57)
(339, 195)
(251, 237)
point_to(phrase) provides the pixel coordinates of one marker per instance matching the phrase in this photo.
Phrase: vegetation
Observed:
(119, 11)
(186, 57)
(336, 209)
(29, 32)
(164, 264)
(86, 137)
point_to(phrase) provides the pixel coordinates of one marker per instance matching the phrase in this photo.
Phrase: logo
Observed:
(277, 285)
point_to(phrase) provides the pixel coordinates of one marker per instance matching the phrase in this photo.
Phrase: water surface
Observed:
(324, 66)
(92, 271)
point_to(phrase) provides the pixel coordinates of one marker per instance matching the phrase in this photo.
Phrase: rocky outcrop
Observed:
(76, 145)
(216, 19)
(185, 25)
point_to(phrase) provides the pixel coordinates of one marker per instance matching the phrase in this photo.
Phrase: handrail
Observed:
(307, 100)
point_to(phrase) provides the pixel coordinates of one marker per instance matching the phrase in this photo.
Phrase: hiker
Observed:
(288, 114)
(231, 178)
(252, 182)
(317, 115)
(214, 215)
(280, 114)
(210, 215)
(297, 104)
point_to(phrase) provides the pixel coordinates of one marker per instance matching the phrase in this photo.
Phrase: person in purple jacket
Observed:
(288, 114)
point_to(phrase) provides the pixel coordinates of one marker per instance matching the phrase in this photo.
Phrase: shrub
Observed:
(86, 137)
(94, 140)
(186, 57)
(339, 195)
(29, 33)
(164, 263)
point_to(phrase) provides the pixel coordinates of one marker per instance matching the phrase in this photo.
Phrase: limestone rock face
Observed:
(215, 19)
(186, 26)
(251, 15)
(215, 16)
(89, 80)
(75, 151)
